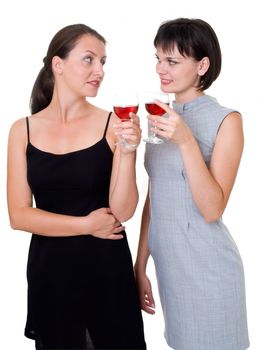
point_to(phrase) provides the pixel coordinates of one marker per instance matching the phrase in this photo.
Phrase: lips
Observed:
(165, 81)
(95, 83)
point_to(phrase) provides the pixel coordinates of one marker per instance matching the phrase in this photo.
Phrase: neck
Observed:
(66, 109)
(187, 97)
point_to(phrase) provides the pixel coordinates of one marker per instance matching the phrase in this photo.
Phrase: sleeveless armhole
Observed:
(28, 129)
(225, 116)
(107, 124)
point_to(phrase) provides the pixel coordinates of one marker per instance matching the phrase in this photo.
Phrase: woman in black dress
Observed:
(81, 287)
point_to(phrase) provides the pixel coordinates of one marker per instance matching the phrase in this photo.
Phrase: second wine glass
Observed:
(154, 109)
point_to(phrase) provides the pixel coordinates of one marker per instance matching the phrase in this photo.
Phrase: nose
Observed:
(161, 68)
(99, 68)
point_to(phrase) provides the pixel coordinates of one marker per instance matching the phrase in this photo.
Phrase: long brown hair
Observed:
(61, 44)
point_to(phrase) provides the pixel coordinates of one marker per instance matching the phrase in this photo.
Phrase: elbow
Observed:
(14, 221)
(124, 212)
(213, 211)
(123, 216)
(210, 219)
(212, 216)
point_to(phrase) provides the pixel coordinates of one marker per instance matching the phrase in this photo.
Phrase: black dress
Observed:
(81, 289)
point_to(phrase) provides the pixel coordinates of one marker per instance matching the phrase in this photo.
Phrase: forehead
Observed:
(171, 52)
(89, 42)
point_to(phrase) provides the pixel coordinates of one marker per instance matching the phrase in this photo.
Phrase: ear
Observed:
(57, 65)
(203, 66)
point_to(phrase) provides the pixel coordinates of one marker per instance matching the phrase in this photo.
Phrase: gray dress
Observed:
(199, 270)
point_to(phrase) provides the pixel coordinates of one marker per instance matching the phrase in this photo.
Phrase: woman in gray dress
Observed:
(198, 266)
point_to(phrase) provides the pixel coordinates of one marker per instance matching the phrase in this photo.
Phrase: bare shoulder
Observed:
(233, 118)
(232, 123)
(18, 127)
(230, 133)
(100, 114)
(103, 117)
(18, 138)
(105, 114)
(110, 135)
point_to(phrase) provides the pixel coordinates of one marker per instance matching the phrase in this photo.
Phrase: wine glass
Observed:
(154, 109)
(123, 105)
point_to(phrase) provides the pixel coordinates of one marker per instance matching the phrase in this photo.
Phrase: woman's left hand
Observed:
(129, 131)
(172, 128)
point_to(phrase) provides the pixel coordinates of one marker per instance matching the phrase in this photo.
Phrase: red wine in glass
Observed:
(153, 108)
(123, 112)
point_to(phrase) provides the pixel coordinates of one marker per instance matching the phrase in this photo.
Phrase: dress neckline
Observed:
(29, 144)
(180, 107)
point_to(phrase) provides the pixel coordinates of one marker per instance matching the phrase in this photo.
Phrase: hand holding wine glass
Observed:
(155, 109)
(123, 106)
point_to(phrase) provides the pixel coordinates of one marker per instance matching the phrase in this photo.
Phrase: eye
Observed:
(103, 61)
(157, 58)
(88, 59)
(171, 61)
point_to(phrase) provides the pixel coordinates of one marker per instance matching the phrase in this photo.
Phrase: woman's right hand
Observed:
(147, 302)
(130, 132)
(104, 225)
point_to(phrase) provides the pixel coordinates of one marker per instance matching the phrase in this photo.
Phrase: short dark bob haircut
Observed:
(193, 38)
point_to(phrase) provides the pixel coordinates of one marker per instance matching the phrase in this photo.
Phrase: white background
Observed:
(26, 27)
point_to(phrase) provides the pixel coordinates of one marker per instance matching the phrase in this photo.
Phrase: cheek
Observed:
(74, 73)
(191, 74)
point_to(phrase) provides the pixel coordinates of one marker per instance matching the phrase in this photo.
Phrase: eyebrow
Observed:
(89, 51)
(174, 57)
(170, 57)
(93, 53)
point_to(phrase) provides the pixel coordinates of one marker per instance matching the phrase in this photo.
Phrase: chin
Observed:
(92, 94)
(165, 89)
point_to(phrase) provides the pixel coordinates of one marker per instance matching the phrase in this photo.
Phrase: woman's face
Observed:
(178, 74)
(82, 71)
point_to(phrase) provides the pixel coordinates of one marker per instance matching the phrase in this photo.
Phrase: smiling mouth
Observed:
(165, 81)
(95, 83)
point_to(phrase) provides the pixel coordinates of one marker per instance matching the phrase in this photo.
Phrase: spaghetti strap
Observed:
(107, 123)
(28, 129)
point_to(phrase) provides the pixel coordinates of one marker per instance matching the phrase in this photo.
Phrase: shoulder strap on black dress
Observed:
(28, 129)
(107, 123)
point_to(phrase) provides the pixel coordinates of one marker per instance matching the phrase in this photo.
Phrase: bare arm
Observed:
(147, 301)
(210, 187)
(123, 188)
(143, 251)
(26, 218)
